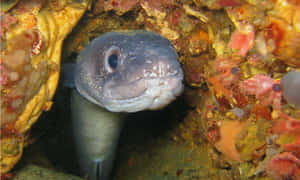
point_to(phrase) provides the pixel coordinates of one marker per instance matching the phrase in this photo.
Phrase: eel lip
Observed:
(154, 94)
(139, 87)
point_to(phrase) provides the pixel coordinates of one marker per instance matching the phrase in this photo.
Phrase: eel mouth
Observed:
(144, 93)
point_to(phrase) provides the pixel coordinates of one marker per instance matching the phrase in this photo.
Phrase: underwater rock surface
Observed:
(33, 172)
(31, 35)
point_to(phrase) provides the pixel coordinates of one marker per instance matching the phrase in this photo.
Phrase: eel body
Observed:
(118, 72)
(96, 132)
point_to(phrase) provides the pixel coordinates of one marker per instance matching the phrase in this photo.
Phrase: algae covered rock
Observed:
(33, 172)
(252, 139)
(32, 33)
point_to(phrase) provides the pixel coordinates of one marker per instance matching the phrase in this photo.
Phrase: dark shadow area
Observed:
(144, 129)
(53, 132)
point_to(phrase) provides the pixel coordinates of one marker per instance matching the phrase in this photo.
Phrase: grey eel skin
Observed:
(118, 72)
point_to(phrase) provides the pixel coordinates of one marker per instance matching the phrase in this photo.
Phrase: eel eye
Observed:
(112, 59)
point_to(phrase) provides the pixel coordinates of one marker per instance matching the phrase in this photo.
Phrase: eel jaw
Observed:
(153, 93)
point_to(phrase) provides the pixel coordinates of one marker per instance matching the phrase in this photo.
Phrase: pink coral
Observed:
(287, 164)
(230, 3)
(284, 166)
(120, 6)
(227, 74)
(3, 75)
(228, 70)
(287, 124)
(213, 133)
(266, 90)
(293, 147)
(6, 21)
(242, 40)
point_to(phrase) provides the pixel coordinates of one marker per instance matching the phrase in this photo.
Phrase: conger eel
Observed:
(118, 72)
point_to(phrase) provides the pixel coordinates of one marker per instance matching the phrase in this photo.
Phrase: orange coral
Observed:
(229, 130)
